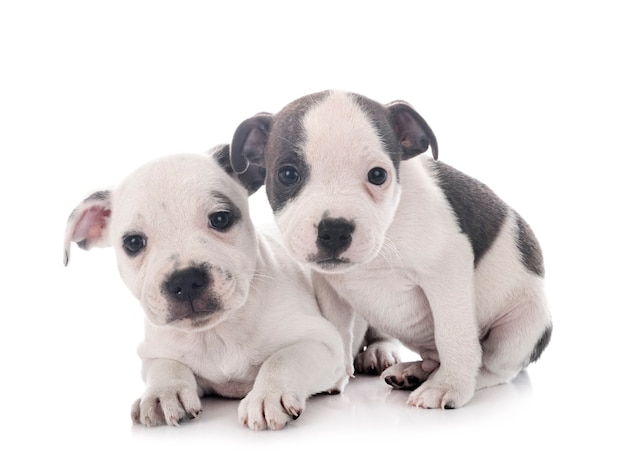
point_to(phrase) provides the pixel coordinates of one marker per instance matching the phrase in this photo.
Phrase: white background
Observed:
(526, 96)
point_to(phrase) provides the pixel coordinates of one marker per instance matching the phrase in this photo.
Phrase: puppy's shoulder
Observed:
(480, 213)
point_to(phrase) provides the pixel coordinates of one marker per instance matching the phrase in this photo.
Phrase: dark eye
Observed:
(288, 175)
(133, 244)
(377, 176)
(220, 220)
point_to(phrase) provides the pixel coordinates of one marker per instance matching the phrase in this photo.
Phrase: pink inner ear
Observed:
(91, 224)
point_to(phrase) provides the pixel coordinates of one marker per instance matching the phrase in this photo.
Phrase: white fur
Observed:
(268, 342)
(411, 270)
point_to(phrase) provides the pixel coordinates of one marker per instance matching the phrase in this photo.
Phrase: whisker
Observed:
(390, 254)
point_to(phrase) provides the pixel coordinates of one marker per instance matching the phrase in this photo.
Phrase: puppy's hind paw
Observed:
(376, 358)
(405, 376)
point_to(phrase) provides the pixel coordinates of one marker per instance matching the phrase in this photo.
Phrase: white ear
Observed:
(89, 223)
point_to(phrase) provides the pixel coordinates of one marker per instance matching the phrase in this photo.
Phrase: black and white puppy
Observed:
(227, 312)
(421, 250)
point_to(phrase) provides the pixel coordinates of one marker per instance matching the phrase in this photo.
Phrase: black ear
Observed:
(252, 178)
(412, 130)
(248, 146)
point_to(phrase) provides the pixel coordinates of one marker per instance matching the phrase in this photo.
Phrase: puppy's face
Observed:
(332, 179)
(184, 241)
(334, 188)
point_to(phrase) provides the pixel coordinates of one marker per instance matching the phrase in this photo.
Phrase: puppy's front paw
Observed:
(376, 358)
(435, 393)
(270, 410)
(166, 404)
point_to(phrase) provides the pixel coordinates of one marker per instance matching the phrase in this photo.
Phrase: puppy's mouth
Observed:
(194, 313)
(196, 321)
(332, 264)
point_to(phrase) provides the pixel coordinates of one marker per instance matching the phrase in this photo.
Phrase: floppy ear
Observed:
(247, 152)
(412, 130)
(251, 179)
(89, 223)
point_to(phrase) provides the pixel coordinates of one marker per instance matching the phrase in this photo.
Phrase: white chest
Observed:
(392, 301)
(223, 365)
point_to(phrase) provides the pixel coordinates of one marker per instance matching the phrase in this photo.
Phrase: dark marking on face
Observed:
(222, 156)
(380, 120)
(189, 294)
(284, 148)
(480, 213)
(226, 204)
(541, 345)
(529, 248)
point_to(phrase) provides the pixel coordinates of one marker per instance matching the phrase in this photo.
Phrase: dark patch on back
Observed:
(541, 345)
(529, 248)
(479, 211)
(285, 146)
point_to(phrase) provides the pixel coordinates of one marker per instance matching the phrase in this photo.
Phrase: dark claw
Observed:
(193, 414)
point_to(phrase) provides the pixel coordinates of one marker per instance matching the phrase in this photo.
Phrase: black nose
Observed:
(186, 285)
(334, 234)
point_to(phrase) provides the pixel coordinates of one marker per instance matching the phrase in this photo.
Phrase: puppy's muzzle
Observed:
(188, 292)
(334, 236)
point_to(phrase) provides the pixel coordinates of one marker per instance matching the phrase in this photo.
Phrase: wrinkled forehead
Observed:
(173, 191)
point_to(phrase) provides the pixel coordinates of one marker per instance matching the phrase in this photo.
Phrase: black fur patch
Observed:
(541, 345)
(379, 117)
(285, 146)
(479, 211)
(529, 248)
(228, 205)
(99, 196)
(222, 155)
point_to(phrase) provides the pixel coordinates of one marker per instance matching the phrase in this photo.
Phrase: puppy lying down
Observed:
(227, 312)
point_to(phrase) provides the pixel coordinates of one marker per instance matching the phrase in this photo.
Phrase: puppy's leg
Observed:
(378, 352)
(450, 293)
(171, 394)
(516, 340)
(341, 315)
(287, 379)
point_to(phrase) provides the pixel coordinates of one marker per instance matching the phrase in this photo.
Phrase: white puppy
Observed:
(227, 311)
(422, 251)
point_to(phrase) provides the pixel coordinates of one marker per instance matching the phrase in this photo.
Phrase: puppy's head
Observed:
(183, 238)
(330, 163)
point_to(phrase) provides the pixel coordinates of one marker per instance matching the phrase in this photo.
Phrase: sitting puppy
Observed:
(420, 250)
(227, 311)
